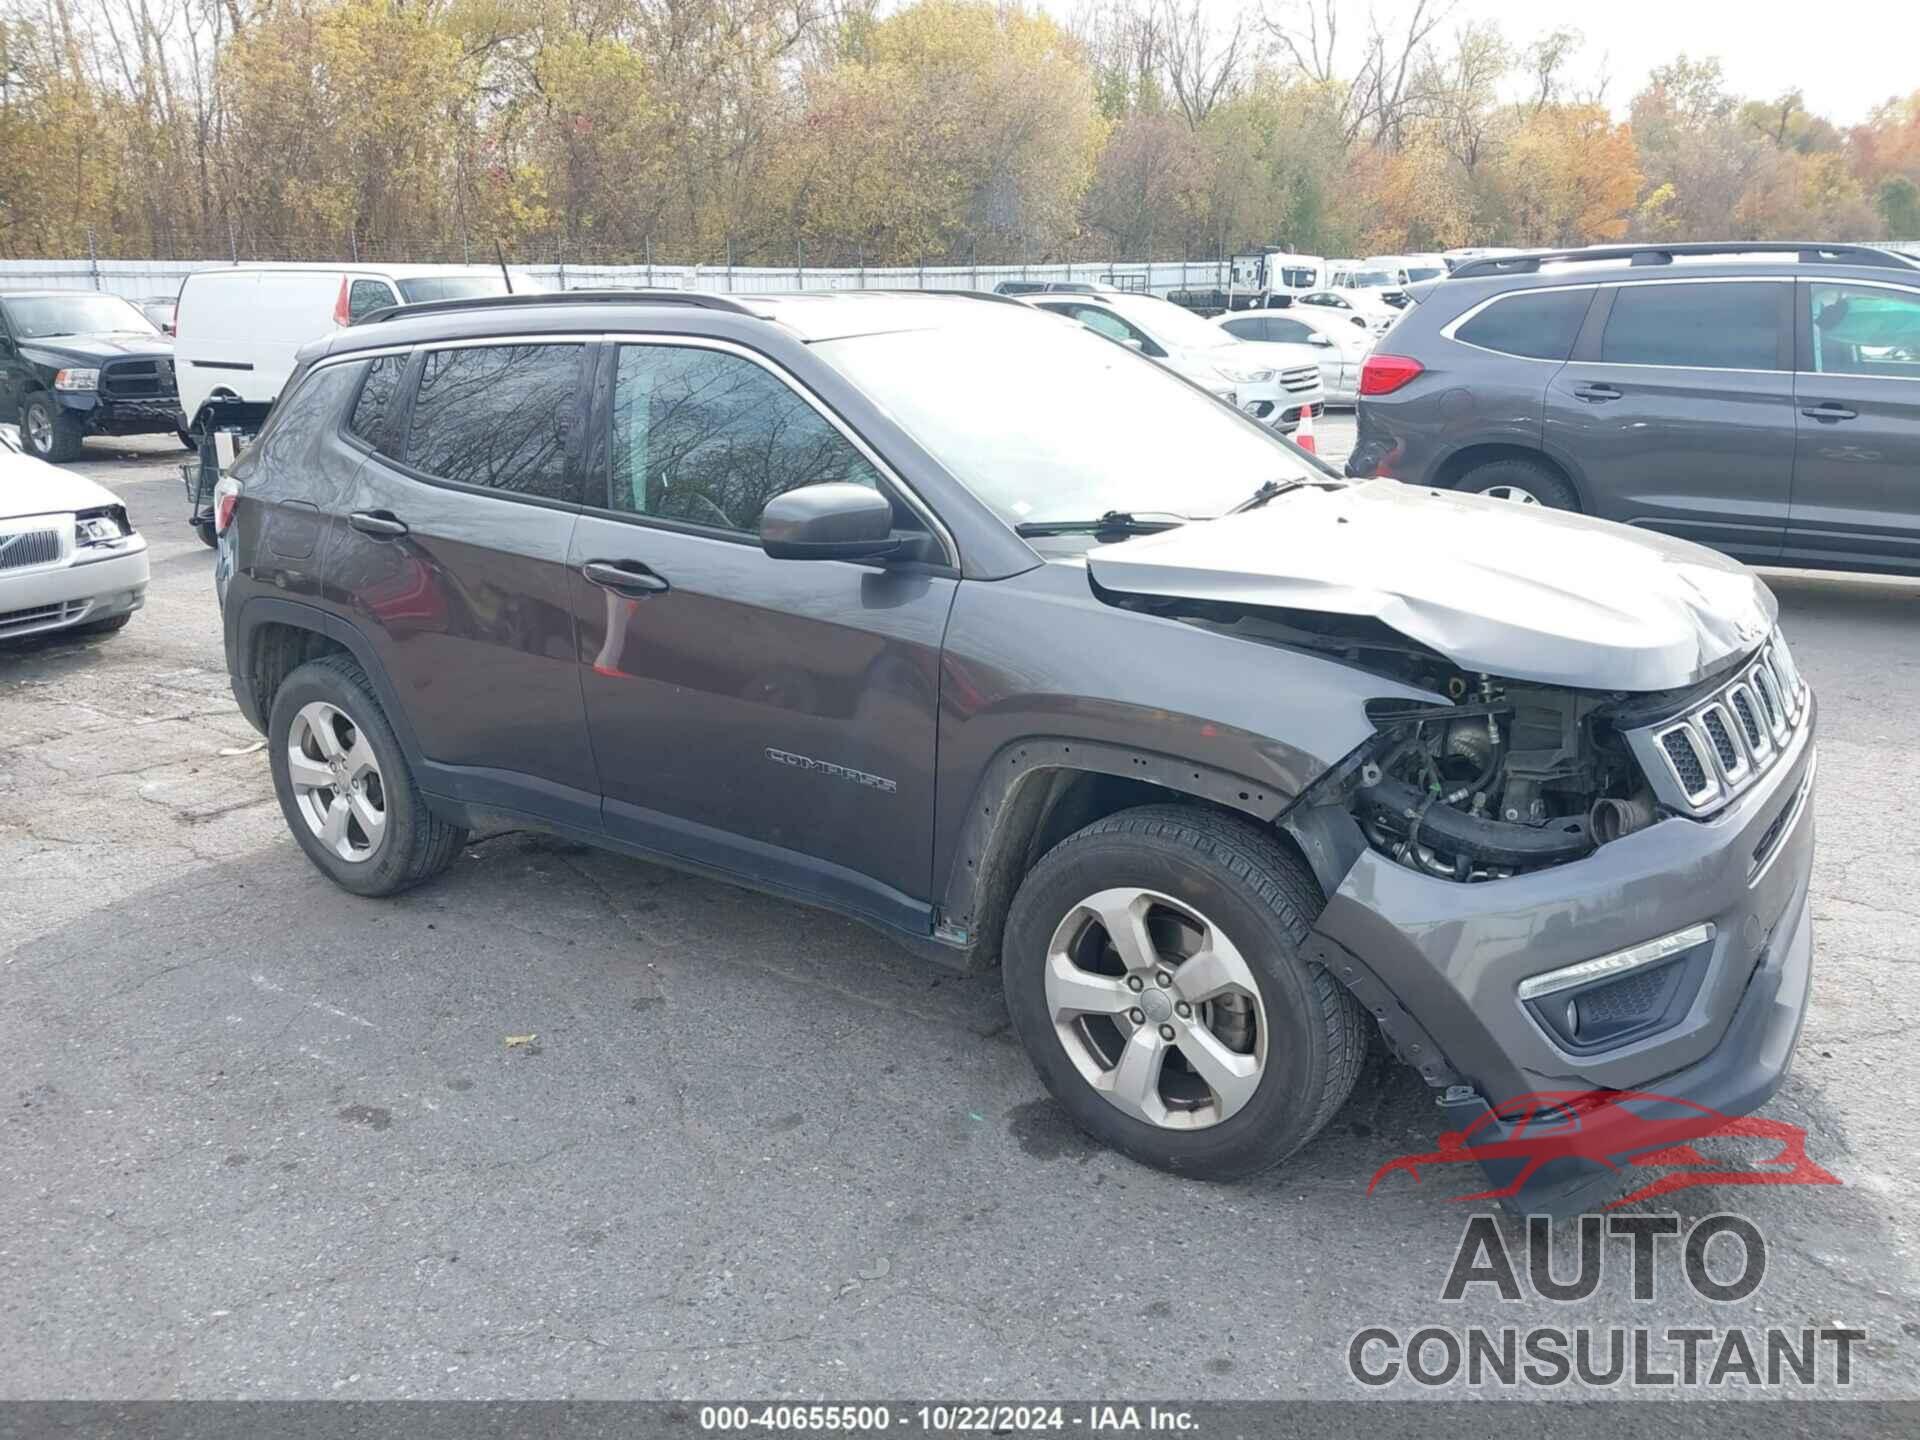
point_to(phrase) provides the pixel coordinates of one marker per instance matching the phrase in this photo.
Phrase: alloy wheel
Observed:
(1511, 492)
(39, 429)
(1157, 1009)
(336, 780)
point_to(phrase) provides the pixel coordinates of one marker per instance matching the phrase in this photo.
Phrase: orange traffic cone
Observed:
(1303, 437)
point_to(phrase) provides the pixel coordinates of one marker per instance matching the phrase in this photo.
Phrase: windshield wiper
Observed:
(1268, 490)
(1114, 522)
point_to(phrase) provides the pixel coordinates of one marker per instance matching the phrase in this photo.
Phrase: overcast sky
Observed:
(1846, 56)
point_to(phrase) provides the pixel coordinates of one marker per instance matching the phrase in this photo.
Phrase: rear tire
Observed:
(326, 711)
(1279, 1047)
(1525, 482)
(186, 437)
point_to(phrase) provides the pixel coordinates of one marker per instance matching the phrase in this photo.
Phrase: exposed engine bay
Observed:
(1511, 778)
(1506, 777)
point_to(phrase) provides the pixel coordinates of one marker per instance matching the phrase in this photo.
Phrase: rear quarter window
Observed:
(1538, 325)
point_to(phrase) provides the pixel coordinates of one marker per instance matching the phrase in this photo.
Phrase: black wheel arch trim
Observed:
(1008, 807)
(258, 610)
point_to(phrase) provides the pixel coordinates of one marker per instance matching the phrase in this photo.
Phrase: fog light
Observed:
(1604, 966)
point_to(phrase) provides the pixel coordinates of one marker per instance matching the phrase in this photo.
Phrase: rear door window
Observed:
(500, 417)
(1539, 325)
(1252, 328)
(1865, 330)
(1730, 326)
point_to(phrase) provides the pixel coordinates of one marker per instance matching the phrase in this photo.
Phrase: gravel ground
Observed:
(267, 1139)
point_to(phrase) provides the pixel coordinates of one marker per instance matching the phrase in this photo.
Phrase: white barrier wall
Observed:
(144, 279)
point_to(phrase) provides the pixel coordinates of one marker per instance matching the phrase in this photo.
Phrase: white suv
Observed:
(1202, 352)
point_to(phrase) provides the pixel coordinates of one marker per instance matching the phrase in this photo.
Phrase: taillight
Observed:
(226, 496)
(342, 315)
(1384, 374)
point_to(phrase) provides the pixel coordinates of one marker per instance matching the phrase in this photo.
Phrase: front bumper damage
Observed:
(1440, 965)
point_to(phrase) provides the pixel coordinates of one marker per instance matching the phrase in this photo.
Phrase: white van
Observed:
(236, 330)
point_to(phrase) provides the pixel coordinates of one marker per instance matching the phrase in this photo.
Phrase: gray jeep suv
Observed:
(939, 613)
(1763, 399)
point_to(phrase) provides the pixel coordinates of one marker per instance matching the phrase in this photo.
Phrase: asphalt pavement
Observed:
(567, 1124)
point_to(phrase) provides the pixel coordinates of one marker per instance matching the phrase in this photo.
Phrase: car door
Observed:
(770, 718)
(1856, 468)
(1676, 411)
(448, 552)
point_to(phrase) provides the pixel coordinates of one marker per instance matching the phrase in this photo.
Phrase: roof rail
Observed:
(698, 298)
(1805, 253)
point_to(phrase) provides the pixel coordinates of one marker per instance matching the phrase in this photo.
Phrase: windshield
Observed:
(1053, 423)
(1424, 272)
(1170, 324)
(1367, 279)
(450, 287)
(48, 315)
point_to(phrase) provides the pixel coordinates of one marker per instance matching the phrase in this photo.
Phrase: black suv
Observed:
(75, 363)
(1013, 644)
(1762, 399)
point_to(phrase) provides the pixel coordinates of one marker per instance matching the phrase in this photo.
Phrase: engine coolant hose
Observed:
(1492, 842)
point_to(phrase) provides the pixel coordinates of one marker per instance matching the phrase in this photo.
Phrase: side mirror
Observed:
(1133, 342)
(828, 522)
(1321, 340)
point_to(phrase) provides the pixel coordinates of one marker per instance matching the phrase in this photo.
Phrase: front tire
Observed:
(47, 433)
(1153, 966)
(345, 786)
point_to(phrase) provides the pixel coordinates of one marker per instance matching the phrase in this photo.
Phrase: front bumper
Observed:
(1440, 963)
(97, 414)
(58, 596)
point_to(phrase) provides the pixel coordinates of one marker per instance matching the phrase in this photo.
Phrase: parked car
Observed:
(75, 363)
(70, 558)
(238, 327)
(159, 311)
(1204, 353)
(1411, 269)
(1361, 308)
(1383, 286)
(1761, 399)
(1312, 335)
(1223, 760)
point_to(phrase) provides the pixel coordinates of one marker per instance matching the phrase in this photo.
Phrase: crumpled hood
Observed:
(1515, 591)
(33, 487)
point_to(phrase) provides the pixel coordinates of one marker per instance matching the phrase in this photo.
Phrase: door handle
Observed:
(1595, 394)
(383, 523)
(1828, 410)
(624, 577)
